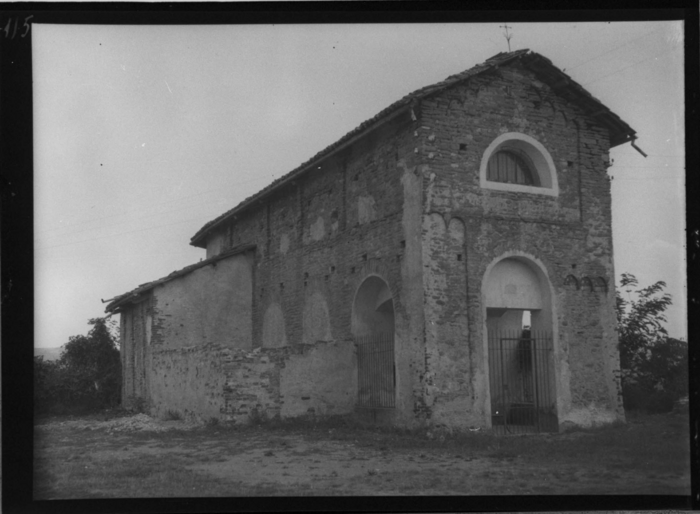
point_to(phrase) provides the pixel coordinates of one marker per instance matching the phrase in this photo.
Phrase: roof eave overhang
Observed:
(138, 295)
(120, 304)
(620, 132)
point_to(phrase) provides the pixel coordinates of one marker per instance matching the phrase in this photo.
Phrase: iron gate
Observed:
(521, 380)
(376, 374)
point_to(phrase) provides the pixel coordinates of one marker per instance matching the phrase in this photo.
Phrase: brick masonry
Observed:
(569, 234)
(402, 201)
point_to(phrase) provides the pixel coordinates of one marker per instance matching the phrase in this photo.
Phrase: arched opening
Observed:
(519, 163)
(373, 332)
(518, 305)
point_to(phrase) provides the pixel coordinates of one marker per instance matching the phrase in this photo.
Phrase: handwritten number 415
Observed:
(8, 28)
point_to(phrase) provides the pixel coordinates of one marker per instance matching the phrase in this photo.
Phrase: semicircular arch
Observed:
(534, 152)
(372, 307)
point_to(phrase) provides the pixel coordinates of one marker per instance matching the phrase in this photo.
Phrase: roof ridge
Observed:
(492, 62)
(503, 54)
(418, 93)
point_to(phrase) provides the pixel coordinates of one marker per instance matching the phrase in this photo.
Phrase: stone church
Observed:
(449, 262)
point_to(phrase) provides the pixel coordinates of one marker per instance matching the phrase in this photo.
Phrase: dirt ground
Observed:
(136, 456)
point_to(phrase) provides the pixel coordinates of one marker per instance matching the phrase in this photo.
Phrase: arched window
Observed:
(519, 163)
(510, 167)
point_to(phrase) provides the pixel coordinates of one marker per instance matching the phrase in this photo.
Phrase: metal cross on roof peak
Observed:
(507, 35)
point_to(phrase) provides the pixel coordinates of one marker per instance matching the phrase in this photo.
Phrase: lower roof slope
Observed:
(118, 302)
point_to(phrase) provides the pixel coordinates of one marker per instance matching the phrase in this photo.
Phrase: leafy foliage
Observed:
(48, 385)
(654, 366)
(87, 377)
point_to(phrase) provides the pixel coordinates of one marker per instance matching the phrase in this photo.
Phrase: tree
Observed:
(654, 366)
(93, 366)
(86, 377)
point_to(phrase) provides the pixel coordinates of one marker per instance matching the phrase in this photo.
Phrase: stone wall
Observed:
(188, 380)
(570, 234)
(212, 304)
(316, 240)
(213, 381)
(208, 380)
(320, 236)
(314, 379)
(449, 364)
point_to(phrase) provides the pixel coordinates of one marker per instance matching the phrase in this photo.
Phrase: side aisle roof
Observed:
(115, 304)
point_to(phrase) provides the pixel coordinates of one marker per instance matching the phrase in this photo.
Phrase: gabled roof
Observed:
(564, 85)
(134, 294)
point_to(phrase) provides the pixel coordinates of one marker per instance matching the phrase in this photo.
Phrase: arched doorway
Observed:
(373, 332)
(518, 302)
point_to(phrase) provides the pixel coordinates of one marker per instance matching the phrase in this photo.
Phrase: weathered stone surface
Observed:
(211, 304)
(569, 234)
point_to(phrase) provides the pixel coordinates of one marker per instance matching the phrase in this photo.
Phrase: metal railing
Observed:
(376, 374)
(521, 379)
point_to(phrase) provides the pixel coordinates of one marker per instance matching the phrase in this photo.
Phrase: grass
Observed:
(83, 464)
(79, 475)
(662, 438)
(645, 441)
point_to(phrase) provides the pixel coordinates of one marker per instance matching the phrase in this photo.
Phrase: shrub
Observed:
(639, 398)
(86, 378)
(654, 366)
(660, 402)
(633, 396)
(50, 394)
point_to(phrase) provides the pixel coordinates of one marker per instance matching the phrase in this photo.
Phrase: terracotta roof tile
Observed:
(539, 64)
(114, 303)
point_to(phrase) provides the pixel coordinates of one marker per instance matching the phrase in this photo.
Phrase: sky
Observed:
(142, 134)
